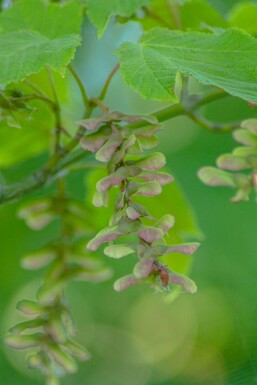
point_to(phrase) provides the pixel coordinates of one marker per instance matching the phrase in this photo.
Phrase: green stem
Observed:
(156, 16)
(81, 87)
(57, 112)
(107, 82)
(34, 97)
(212, 126)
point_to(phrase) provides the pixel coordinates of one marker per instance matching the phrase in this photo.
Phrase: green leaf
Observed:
(31, 52)
(40, 35)
(244, 16)
(51, 20)
(100, 11)
(226, 60)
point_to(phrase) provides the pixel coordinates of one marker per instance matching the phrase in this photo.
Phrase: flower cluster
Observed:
(49, 328)
(120, 141)
(242, 158)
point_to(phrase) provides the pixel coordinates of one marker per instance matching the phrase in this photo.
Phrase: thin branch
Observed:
(35, 88)
(81, 87)
(108, 81)
(211, 97)
(57, 112)
(193, 103)
(34, 97)
(212, 126)
(98, 102)
(156, 17)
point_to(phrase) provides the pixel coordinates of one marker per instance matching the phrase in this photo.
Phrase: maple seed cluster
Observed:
(49, 327)
(121, 145)
(233, 169)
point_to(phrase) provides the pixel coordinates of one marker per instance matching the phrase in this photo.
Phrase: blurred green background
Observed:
(138, 337)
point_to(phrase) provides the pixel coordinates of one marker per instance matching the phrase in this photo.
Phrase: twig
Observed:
(58, 125)
(81, 87)
(34, 97)
(35, 88)
(212, 126)
(108, 81)
(156, 16)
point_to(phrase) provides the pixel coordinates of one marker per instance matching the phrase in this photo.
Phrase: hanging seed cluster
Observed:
(117, 141)
(49, 328)
(230, 166)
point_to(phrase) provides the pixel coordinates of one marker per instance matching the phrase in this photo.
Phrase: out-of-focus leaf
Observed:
(244, 16)
(185, 15)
